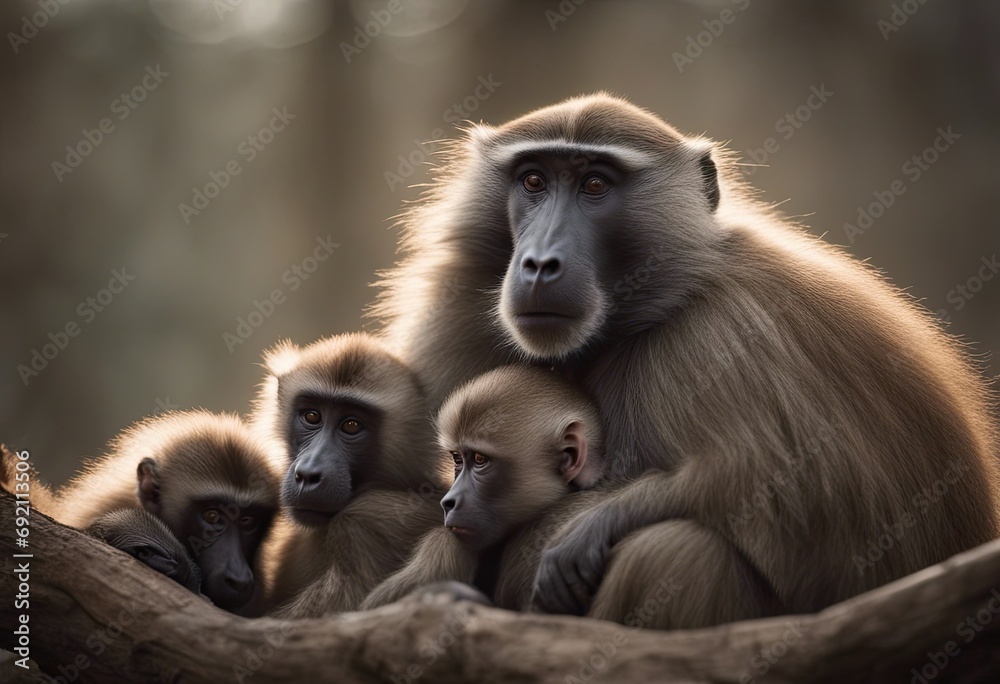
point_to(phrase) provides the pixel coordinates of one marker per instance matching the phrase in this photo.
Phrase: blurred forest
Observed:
(168, 164)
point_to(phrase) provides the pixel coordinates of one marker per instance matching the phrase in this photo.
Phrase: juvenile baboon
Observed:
(526, 447)
(747, 373)
(205, 476)
(362, 481)
(146, 538)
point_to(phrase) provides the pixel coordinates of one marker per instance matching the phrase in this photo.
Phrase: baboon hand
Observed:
(571, 570)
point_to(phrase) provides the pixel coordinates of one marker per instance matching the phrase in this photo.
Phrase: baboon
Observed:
(764, 396)
(526, 447)
(146, 538)
(362, 482)
(205, 476)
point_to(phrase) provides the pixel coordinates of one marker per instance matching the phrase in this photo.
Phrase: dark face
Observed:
(334, 444)
(566, 214)
(223, 538)
(147, 539)
(174, 563)
(473, 508)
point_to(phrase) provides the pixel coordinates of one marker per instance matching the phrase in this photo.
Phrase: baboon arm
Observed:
(440, 557)
(573, 565)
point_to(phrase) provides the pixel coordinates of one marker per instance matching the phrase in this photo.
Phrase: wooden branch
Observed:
(97, 615)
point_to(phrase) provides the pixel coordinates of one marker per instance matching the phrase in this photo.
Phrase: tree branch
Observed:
(98, 615)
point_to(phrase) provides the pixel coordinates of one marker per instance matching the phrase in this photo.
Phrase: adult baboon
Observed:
(786, 404)
(526, 446)
(362, 481)
(205, 476)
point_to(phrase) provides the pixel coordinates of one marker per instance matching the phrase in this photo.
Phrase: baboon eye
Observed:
(312, 417)
(595, 185)
(351, 426)
(211, 516)
(144, 553)
(457, 459)
(533, 182)
(247, 522)
(479, 460)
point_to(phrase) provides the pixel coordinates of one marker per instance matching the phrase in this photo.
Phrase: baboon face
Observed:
(224, 538)
(213, 487)
(333, 442)
(148, 539)
(554, 296)
(519, 440)
(597, 217)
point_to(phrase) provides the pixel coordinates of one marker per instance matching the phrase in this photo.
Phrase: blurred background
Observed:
(167, 165)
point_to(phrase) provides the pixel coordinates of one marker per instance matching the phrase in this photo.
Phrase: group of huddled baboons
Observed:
(637, 350)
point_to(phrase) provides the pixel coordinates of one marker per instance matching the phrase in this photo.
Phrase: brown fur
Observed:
(134, 531)
(196, 455)
(199, 454)
(25, 483)
(516, 415)
(756, 364)
(318, 570)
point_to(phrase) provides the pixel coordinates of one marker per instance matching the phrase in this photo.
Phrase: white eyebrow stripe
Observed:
(629, 156)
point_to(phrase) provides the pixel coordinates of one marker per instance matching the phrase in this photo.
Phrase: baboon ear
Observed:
(699, 151)
(149, 486)
(709, 179)
(281, 358)
(574, 465)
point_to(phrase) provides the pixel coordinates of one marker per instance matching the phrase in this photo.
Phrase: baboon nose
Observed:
(448, 503)
(240, 582)
(307, 477)
(544, 270)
